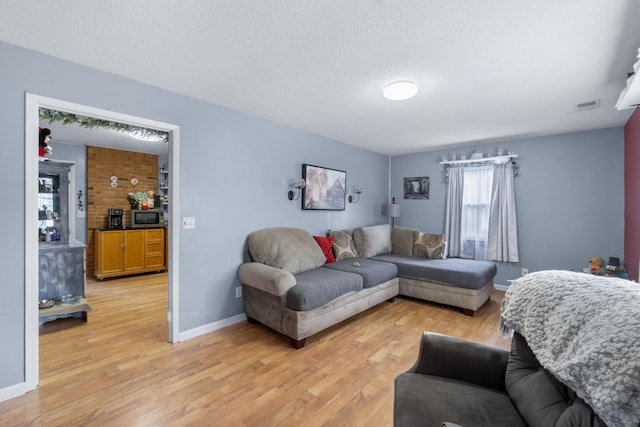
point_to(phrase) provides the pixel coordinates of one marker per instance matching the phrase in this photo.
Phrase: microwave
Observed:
(146, 218)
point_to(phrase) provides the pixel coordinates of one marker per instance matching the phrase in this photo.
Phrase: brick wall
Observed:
(102, 164)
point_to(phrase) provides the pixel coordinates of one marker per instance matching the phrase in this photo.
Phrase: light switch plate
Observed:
(188, 222)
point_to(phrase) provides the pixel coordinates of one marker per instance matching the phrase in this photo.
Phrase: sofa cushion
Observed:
(402, 240)
(428, 400)
(428, 245)
(463, 273)
(373, 272)
(373, 240)
(554, 403)
(343, 246)
(291, 249)
(326, 245)
(317, 287)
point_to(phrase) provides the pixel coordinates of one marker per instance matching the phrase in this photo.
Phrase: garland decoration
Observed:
(54, 116)
(445, 171)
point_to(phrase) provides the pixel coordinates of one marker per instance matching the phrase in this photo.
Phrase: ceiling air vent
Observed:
(589, 105)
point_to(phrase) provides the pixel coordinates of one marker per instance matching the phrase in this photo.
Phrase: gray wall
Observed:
(235, 172)
(569, 198)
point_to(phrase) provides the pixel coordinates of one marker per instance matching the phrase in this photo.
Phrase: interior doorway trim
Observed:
(32, 120)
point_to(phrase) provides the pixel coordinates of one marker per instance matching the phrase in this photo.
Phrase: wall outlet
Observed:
(238, 292)
(525, 271)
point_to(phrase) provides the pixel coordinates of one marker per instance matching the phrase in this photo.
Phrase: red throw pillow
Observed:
(326, 244)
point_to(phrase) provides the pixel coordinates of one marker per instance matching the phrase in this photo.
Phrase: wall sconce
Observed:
(393, 211)
(299, 185)
(358, 191)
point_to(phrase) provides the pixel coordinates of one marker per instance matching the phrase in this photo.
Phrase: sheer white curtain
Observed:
(476, 202)
(481, 214)
(503, 238)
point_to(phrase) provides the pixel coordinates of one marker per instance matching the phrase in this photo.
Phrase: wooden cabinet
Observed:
(122, 252)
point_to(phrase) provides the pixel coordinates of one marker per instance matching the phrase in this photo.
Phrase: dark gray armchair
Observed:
(460, 382)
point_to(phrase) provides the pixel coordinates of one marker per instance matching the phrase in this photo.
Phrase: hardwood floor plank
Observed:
(118, 368)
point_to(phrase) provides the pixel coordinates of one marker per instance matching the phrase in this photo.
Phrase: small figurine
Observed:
(44, 138)
(595, 264)
(151, 201)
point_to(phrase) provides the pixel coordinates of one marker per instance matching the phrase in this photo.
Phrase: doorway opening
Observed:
(33, 103)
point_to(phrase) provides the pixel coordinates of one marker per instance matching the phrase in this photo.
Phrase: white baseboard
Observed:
(205, 329)
(500, 287)
(13, 391)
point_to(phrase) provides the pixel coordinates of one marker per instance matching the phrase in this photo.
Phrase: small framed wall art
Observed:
(325, 188)
(416, 188)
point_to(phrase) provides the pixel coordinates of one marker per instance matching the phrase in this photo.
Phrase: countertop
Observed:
(58, 245)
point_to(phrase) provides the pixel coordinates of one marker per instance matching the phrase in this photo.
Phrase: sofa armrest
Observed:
(266, 278)
(455, 358)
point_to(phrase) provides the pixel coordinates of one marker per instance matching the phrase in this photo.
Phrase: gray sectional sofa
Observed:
(291, 284)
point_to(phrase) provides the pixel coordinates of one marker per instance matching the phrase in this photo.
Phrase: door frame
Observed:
(32, 120)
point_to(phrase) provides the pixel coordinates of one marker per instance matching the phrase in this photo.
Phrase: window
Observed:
(476, 205)
(481, 211)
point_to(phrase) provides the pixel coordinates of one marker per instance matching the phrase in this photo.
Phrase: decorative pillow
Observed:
(326, 244)
(373, 240)
(428, 245)
(343, 245)
(402, 240)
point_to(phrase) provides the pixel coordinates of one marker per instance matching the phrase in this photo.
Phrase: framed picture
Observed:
(416, 188)
(325, 188)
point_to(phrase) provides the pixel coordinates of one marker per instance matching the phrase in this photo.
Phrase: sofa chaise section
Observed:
(423, 271)
(457, 282)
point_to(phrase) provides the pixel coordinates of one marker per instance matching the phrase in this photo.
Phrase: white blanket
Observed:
(585, 330)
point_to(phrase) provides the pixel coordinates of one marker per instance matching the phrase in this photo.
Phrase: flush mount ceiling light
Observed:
(400, 90)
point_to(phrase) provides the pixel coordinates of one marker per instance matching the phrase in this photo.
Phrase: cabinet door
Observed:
(133, 250)
(110, 252)
(61, 272)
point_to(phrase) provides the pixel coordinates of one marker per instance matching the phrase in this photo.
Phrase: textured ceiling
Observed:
(488, 70)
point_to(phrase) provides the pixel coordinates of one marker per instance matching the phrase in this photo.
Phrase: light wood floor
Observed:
(119, 370)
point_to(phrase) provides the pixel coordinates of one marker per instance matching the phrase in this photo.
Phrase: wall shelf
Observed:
(164, 187)
(494, 159)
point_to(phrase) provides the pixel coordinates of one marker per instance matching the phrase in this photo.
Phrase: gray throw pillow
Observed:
(402, 240)
(373, 240)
